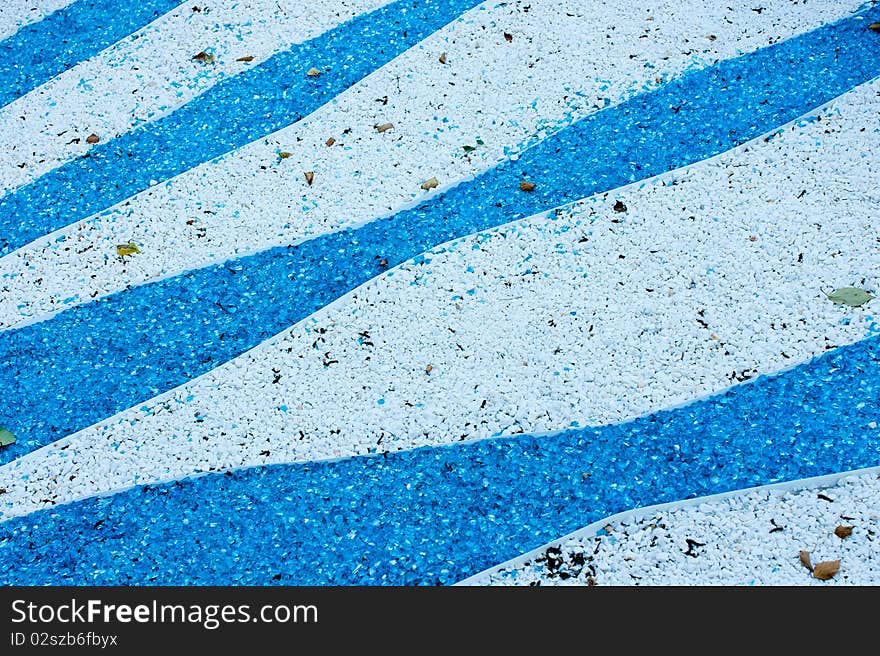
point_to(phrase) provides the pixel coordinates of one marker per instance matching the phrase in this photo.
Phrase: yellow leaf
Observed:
(430, 183)
(442, 57)
(384, 126)
(313, 72)
(127, 249)
(874, 26)
(826, 570)
(283, 154)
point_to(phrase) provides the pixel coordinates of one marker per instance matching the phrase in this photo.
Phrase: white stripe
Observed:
(15, 14)
(506, 93)
(151, 73)
(587, 336)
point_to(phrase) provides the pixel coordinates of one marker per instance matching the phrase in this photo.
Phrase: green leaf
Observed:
(480, 142)
(6, 438)
(468, 149)
(852, 296)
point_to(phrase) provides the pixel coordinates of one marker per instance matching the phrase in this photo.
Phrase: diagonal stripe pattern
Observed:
(412, 514)
(66, 374)
(433, 516)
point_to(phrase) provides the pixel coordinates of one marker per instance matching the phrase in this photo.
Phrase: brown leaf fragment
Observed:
(93, 138)
(526, 186)
(204, 57)
(508, 37)
(442, 58)
(384, 127)
(310, 176)
(826, 570)
(712, 37)
(248, 58)
(843, 531)
(619, 206)
(805, 560)
(283, 154)
(429, 369)
(330, 141)
(313, 72)
(430, 183)
(874, 27)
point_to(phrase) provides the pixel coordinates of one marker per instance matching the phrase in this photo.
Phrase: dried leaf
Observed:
(509, 37)
(93, 138)
(313, 72)
(442, 58)
(430, 183)
(310, 175)
(246, 59)
(619, 206)
(6, 437)
(127, 249)
(429, 369)
(384, 127)
(826, 570)
(204, 57)
(527, 186)
(843, 531)
(330, 141)
(852, 296)
(874, 26)
(805, 560)
(283, 154)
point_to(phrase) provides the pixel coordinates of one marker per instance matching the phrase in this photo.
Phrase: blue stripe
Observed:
(39, 51)
(94, 360)
(235, 112)
(437, 515)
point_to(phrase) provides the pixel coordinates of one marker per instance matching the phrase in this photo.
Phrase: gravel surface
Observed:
(826, 534)
(393, 291)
